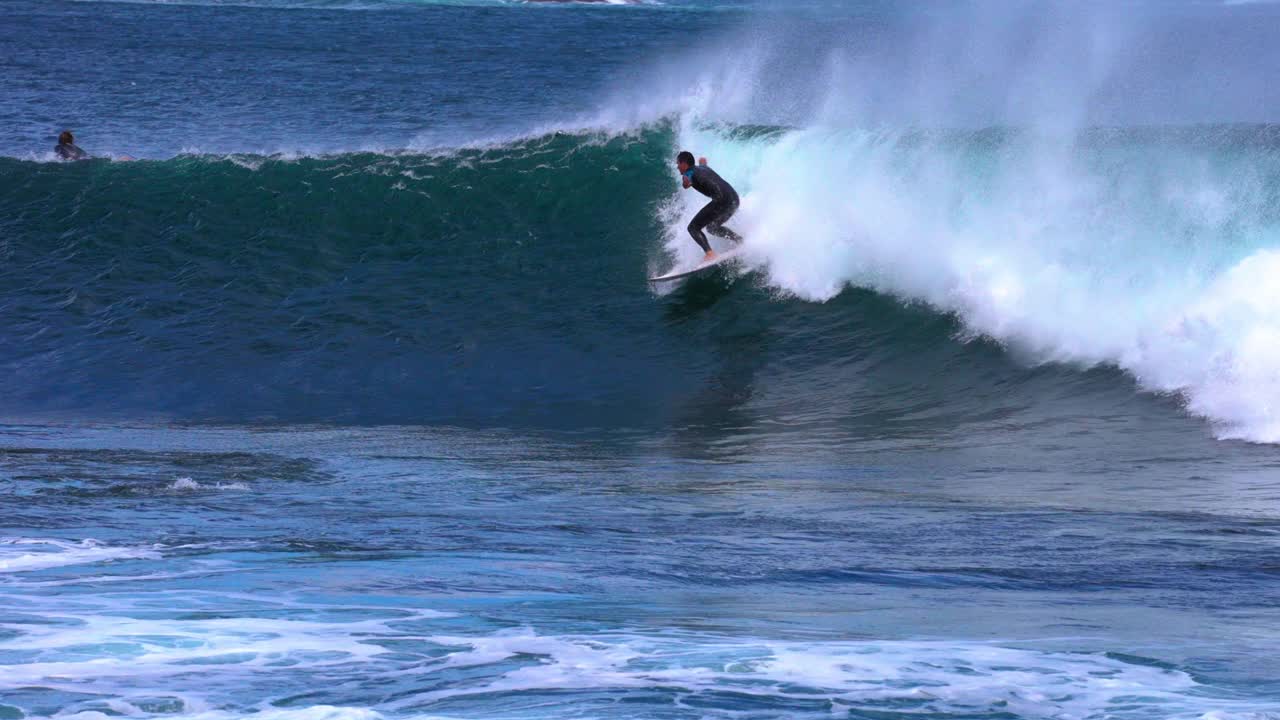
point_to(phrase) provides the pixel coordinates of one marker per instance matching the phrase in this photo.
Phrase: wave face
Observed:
(505, 285)
(465, 286)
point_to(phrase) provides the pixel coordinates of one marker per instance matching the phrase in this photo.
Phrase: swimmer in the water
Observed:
(67, 149)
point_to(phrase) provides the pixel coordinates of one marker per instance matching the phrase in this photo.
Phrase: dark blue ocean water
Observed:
(346, 397)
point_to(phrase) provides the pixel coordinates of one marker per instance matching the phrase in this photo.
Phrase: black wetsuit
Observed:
(724, 202)
(67, 151)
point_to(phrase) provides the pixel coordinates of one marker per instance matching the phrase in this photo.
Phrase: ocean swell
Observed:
(505, 284)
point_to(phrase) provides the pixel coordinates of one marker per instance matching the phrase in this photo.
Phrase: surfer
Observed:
(67, 149)
(724, 202)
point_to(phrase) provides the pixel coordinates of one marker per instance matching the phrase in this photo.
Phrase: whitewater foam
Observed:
(186, 484)
(126, 661)
(1151, 255)
(30, 554)
(943, 677)
(314, 712)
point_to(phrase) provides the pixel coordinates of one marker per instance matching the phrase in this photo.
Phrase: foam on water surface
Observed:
(18, 555)
(210, 655)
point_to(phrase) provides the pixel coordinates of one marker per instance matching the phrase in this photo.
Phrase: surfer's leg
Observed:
(724, 232)
(704, 218)
(699, 237)
(717, 228)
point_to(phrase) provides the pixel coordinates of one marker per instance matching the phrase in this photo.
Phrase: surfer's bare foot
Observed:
(711, 255)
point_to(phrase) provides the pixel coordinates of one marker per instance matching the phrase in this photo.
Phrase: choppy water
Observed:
(349, 399)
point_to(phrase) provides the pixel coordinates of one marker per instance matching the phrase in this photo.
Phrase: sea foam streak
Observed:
(343, 667)
(29, 554)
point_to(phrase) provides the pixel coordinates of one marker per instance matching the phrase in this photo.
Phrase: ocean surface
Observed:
(333, 388)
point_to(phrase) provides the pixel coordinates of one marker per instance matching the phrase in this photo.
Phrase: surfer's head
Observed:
(684, 161)
(66, 138)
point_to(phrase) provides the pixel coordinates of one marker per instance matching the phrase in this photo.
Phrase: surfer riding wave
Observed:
(712, 217)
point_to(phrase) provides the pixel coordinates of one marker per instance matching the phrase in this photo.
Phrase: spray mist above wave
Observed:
(1073, 229)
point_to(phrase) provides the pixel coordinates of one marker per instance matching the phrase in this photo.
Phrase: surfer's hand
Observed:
(684, 180)
(702, 161)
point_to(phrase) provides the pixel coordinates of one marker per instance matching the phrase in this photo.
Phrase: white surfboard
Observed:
(719, 259)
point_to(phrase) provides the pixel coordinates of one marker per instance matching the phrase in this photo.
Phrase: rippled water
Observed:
(334, 573)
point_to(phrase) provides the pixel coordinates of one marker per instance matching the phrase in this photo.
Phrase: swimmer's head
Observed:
(66, 138)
